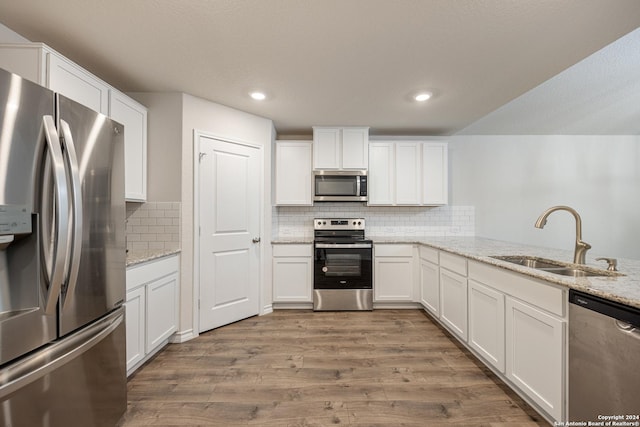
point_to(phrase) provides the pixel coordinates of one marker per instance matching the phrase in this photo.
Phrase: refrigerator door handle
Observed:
(42, 362)
(55, 267)
(72, 265)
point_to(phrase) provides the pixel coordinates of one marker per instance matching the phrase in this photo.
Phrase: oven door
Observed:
(342, 266)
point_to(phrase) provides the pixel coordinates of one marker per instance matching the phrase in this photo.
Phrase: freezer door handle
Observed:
(55, 258)
(72, 264)
(47, 360)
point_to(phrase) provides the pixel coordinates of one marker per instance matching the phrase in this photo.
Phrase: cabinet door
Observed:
(134, 118)
(293, 173)
(535, 349)
(381, 183)
(355, 148)
(453, 302)
(407, 173)
(393, 279)
(435, 174)
(135, 326)
(75, 83)
(430, 286)
(326, 148)
(292, 279)
(28, 60)
(162, 310)
(486, 323)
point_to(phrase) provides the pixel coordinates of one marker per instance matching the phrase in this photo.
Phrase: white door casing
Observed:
(229, 222)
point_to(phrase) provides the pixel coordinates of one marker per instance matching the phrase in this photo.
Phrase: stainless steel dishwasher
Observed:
(604, 360)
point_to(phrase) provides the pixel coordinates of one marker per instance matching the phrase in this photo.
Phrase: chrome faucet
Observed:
(581, 247)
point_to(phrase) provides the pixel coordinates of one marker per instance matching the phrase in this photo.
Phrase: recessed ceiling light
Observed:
(258, 96)
(422, 96)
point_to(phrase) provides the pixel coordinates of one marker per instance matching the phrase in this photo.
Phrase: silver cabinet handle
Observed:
(256, 240)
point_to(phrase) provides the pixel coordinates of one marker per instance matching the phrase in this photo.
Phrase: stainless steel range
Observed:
(343, 273)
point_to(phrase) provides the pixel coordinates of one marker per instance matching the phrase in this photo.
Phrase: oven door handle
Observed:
(343, 245)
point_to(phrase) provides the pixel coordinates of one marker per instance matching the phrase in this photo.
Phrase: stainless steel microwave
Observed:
(340, 186)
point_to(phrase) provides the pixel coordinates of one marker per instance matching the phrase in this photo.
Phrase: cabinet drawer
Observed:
(292, 250)
(429, 254)
(394, 250)
(533, 291)
(454, 263)
(142, 274)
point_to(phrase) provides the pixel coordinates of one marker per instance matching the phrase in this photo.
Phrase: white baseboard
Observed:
(396, 305)
(292, 305)
(182, 336)
(267, 309)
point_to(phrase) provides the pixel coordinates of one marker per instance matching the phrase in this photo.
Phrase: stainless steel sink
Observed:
(576, 272)
(530, 261)
(556, 267)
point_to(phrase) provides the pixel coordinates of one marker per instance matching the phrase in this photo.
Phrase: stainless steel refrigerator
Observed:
(62, 261)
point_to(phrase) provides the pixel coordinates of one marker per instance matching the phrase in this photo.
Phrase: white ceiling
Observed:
(331, 62)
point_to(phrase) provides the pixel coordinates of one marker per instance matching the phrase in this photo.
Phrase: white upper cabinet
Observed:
(435, 173)
(407, 173)
(340, 148)
(381, 179)
(293, 180)
(41, 64)
(72, 81)
(134, 118)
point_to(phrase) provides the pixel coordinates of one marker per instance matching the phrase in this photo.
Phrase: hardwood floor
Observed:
(302, 368)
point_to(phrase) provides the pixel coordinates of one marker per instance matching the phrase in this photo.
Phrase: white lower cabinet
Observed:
(486, 323)
(453, 293)
(292, 273)
(535, 355)
(429, 280)
(518, 325)
(151, 308)
(135, 325)
(393, 273)
(453, 302)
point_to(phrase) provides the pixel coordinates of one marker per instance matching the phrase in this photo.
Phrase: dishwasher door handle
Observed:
(627, 328)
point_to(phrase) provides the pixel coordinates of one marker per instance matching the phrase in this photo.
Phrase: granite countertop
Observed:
(292, 240)
(624, 289)
(139, 256)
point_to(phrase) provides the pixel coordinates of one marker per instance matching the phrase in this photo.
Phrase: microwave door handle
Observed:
(357, 186)
(72, 265)
(55, 261)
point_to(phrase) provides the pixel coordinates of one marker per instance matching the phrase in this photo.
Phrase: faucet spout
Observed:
(581, 247)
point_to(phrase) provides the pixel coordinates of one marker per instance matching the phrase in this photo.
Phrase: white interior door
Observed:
(229, 212)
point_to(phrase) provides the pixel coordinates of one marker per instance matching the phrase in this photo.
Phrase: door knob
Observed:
(256, 240)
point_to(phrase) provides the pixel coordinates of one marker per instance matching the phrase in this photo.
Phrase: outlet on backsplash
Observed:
(409, 221)
(153, 225)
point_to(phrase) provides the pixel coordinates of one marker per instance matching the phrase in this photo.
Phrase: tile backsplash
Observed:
(153, 225)
(405, 221)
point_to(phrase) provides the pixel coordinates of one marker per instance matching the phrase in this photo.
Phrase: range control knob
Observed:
(359, 223)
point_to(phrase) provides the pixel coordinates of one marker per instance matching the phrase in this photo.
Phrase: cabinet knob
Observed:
(256, 240)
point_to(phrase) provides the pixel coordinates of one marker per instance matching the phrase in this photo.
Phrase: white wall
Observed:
(164, 145)
(511, 180)
(224, 123)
